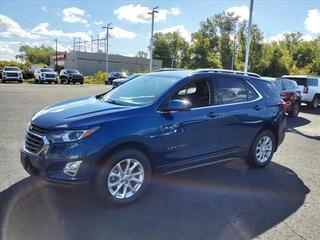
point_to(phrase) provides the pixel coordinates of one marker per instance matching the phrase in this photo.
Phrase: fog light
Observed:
(71, 168)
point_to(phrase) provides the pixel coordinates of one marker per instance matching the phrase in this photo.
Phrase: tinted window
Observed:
(268, 88)
(11, 69)
(251, 93)
(197, 93)
(231, 91)
(278, 85)
(46, 70)
(312, 82)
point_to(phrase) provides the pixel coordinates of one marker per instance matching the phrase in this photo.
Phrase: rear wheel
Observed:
(315, 102)
(295, 110)
(3, 81)
(262, 149)
(124, 177)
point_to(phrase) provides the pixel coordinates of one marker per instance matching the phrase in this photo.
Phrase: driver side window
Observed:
(197, 93)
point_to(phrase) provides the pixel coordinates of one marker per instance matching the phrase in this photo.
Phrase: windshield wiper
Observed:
(112, 101)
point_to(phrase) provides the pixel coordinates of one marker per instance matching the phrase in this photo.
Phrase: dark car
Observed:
(118, 82)
(115, 75)
(289, 93)
(161, 122)
(71, 76)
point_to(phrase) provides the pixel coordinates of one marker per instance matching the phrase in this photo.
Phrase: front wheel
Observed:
(124, 177)
(262, 149)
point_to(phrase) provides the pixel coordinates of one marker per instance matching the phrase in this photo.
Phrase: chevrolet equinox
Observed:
(161, 122)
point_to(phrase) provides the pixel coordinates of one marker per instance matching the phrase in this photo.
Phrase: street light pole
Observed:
(154, 10)
(248, 38)
(56, 62)
(107, 48)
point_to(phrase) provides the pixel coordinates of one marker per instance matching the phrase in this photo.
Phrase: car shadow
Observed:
(294, 123)
(224, 201)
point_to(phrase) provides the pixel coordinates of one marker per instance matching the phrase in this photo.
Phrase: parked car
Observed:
(70, 76)
(115, 75)
(309, 87)
(45, 75)
(289, 93)
(10, 73)
(118, 82)
(160, 122)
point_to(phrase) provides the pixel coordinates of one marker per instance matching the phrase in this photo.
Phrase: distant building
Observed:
(90, 63)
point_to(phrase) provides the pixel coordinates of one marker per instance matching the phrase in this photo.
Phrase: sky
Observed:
(39, 22)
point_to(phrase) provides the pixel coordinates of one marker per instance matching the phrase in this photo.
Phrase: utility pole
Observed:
(91, 43)
(74, 44)
(248, 38)
(107, 48)
(154, 10)
(98, 45)
(79, 44)
(234, 46)
(56, 62)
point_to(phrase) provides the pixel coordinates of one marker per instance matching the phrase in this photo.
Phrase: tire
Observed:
(55, 82)
(104, 177)
(253, 157)
(81, 83)
(3, 81)
(20, 81)
(315, 102)
(295, 110)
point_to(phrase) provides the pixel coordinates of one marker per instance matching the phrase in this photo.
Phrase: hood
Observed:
(12, 71)
(76, 113)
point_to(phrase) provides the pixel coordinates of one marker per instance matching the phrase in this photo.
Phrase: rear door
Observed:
(239, 109)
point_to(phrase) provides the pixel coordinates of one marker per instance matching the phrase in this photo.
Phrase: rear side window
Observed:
(287, 85)
(269, 89)
(313, 82)
(233, 91)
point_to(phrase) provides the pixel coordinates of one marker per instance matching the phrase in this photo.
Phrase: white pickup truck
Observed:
(45, 75)
(12, 74)
(309, 87)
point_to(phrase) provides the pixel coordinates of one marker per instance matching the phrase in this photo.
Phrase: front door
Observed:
(190, 135)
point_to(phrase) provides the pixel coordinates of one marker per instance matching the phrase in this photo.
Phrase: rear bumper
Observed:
(282, 131)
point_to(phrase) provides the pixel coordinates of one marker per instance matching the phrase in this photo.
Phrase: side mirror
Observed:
(178, 105)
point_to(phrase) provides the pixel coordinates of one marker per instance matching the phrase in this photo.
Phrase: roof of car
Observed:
(298, 76)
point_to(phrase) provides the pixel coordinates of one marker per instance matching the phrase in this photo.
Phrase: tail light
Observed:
(305, 89)
(283, 105)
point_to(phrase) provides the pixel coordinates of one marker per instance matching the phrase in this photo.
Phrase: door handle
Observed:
(213, 115)
(258, 107)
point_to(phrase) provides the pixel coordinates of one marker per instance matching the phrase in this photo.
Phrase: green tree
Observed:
(141, 54)
(35, 55)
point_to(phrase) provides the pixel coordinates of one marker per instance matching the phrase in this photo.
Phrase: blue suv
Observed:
(161, 122)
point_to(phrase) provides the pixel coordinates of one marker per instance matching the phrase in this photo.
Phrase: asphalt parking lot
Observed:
(224, 201)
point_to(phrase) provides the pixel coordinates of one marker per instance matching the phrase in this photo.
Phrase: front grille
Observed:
(37, 129)
(12, 74)
(76, 77)
(50, 75)
(33, 143)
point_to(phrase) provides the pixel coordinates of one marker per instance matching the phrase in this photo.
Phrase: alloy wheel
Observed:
(125, 178)
(264, 149)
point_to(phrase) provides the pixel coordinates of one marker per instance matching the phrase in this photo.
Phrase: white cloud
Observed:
(312, 22)
(5, 48)
(44, 8)
(98, 23)
(9, 27)
(117, 32)
(241, 11)
(280, 37)
(184, 33)
(74, 15)
(139, 14)
(42, 29)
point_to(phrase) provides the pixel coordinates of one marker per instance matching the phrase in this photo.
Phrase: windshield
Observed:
(72, 71)
(46, 70)
(132, 76)
(142, 90)
(11, 69)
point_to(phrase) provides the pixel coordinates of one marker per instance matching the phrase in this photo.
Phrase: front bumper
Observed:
(48, 165)
(6, 78)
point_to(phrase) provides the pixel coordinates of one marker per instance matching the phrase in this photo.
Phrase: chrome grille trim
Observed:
(34, 143)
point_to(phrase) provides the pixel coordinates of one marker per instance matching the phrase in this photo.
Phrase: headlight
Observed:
(70, 135)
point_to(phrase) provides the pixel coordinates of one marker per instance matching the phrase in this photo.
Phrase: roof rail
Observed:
(169, 69)
(251, 74)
